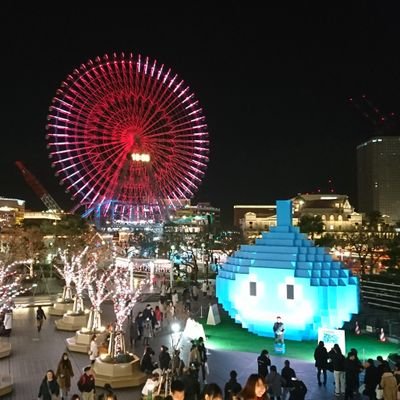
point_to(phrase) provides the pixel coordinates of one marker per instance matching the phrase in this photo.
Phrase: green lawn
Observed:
(231, 336)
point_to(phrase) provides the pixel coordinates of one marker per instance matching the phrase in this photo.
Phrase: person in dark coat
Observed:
(49, 386)
(203, 357)
(40, 317)
(147, 312)
(146, 364)
(321, 361)
(139, 323)
(133, 332)
(64, 374)
(191, 384)
(380, 363)
(370, 379)
(232, 387)
(287, 374)
(352, 369)
(338, 361)
(263, 362)
(360, 365)
(164, 358)
(299, 390)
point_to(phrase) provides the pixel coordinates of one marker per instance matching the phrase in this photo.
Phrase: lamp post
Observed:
(205, 258)
(176, 335)
(171, 269)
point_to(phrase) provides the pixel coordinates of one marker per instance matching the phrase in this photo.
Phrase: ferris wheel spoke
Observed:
(93, 120)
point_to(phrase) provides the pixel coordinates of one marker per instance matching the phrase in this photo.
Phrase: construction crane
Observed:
(38, 188)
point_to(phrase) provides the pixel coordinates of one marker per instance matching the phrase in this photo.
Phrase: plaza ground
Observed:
(230, 347)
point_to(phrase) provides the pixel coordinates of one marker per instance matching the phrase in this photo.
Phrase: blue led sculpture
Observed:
(285, 274)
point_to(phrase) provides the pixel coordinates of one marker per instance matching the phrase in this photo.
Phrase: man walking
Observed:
(86, 384)
(40, 316)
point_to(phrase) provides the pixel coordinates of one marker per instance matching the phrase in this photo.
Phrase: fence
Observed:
(380, 307)
(385, 296)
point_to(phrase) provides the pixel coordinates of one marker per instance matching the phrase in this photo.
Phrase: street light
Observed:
(176, 335)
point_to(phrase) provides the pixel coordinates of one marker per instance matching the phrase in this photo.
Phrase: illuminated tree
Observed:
(124, 299)
(10, 284)
(78, 269)
(98, 291)
(311, 224)
(65, 267)
(24, 243)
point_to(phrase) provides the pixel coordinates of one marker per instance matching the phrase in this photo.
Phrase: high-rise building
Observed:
(378, 173)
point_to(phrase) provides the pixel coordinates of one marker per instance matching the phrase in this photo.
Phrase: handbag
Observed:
(379, 393)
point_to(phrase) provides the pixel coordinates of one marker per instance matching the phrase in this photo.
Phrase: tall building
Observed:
(335, 210)
(378, 173)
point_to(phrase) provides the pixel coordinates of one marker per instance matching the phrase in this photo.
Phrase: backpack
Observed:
(82, 383)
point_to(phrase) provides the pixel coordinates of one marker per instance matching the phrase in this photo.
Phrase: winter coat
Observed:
(321, 357)
(8, 321)
(275, 382)
(146, 364)
(352, 370)
(147, 329)
(232, 388)
(338, 360)
(371, 380)
(64, 374)
(389, 386)
(263, 362)
(94, 350)
(47, 388)
(133, 331)
(287, 374)
(164, 359)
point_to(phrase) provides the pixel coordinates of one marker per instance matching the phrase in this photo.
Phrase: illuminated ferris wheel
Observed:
(127, 137)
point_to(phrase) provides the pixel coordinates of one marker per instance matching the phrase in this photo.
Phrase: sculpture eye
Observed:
(253, 288)
(290, 292)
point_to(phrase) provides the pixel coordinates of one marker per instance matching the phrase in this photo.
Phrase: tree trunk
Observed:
(94, 321)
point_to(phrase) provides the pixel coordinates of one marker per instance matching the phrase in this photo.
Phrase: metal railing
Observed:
(385, 296)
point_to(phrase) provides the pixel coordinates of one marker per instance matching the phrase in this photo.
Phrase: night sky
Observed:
(274, 85)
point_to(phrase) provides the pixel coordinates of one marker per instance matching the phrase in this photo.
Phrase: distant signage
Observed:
(331, 337)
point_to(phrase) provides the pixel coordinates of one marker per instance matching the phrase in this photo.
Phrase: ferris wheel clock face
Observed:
(127, 131)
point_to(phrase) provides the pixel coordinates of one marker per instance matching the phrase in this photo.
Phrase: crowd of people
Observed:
(379, 381)
(188, 374)
(57, 385)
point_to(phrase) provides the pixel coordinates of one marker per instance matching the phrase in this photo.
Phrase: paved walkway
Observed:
(33, 354)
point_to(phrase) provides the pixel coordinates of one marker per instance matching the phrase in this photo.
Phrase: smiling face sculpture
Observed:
(285, 274)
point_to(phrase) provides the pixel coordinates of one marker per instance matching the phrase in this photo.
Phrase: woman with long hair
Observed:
(49, 386)
(254, 389)
(64, 374)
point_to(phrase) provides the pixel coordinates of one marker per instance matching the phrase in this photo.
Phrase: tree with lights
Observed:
(98, 291)
(10, 284)
(65, 267)
(79, 270)
(23, 244)
(124, 299)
